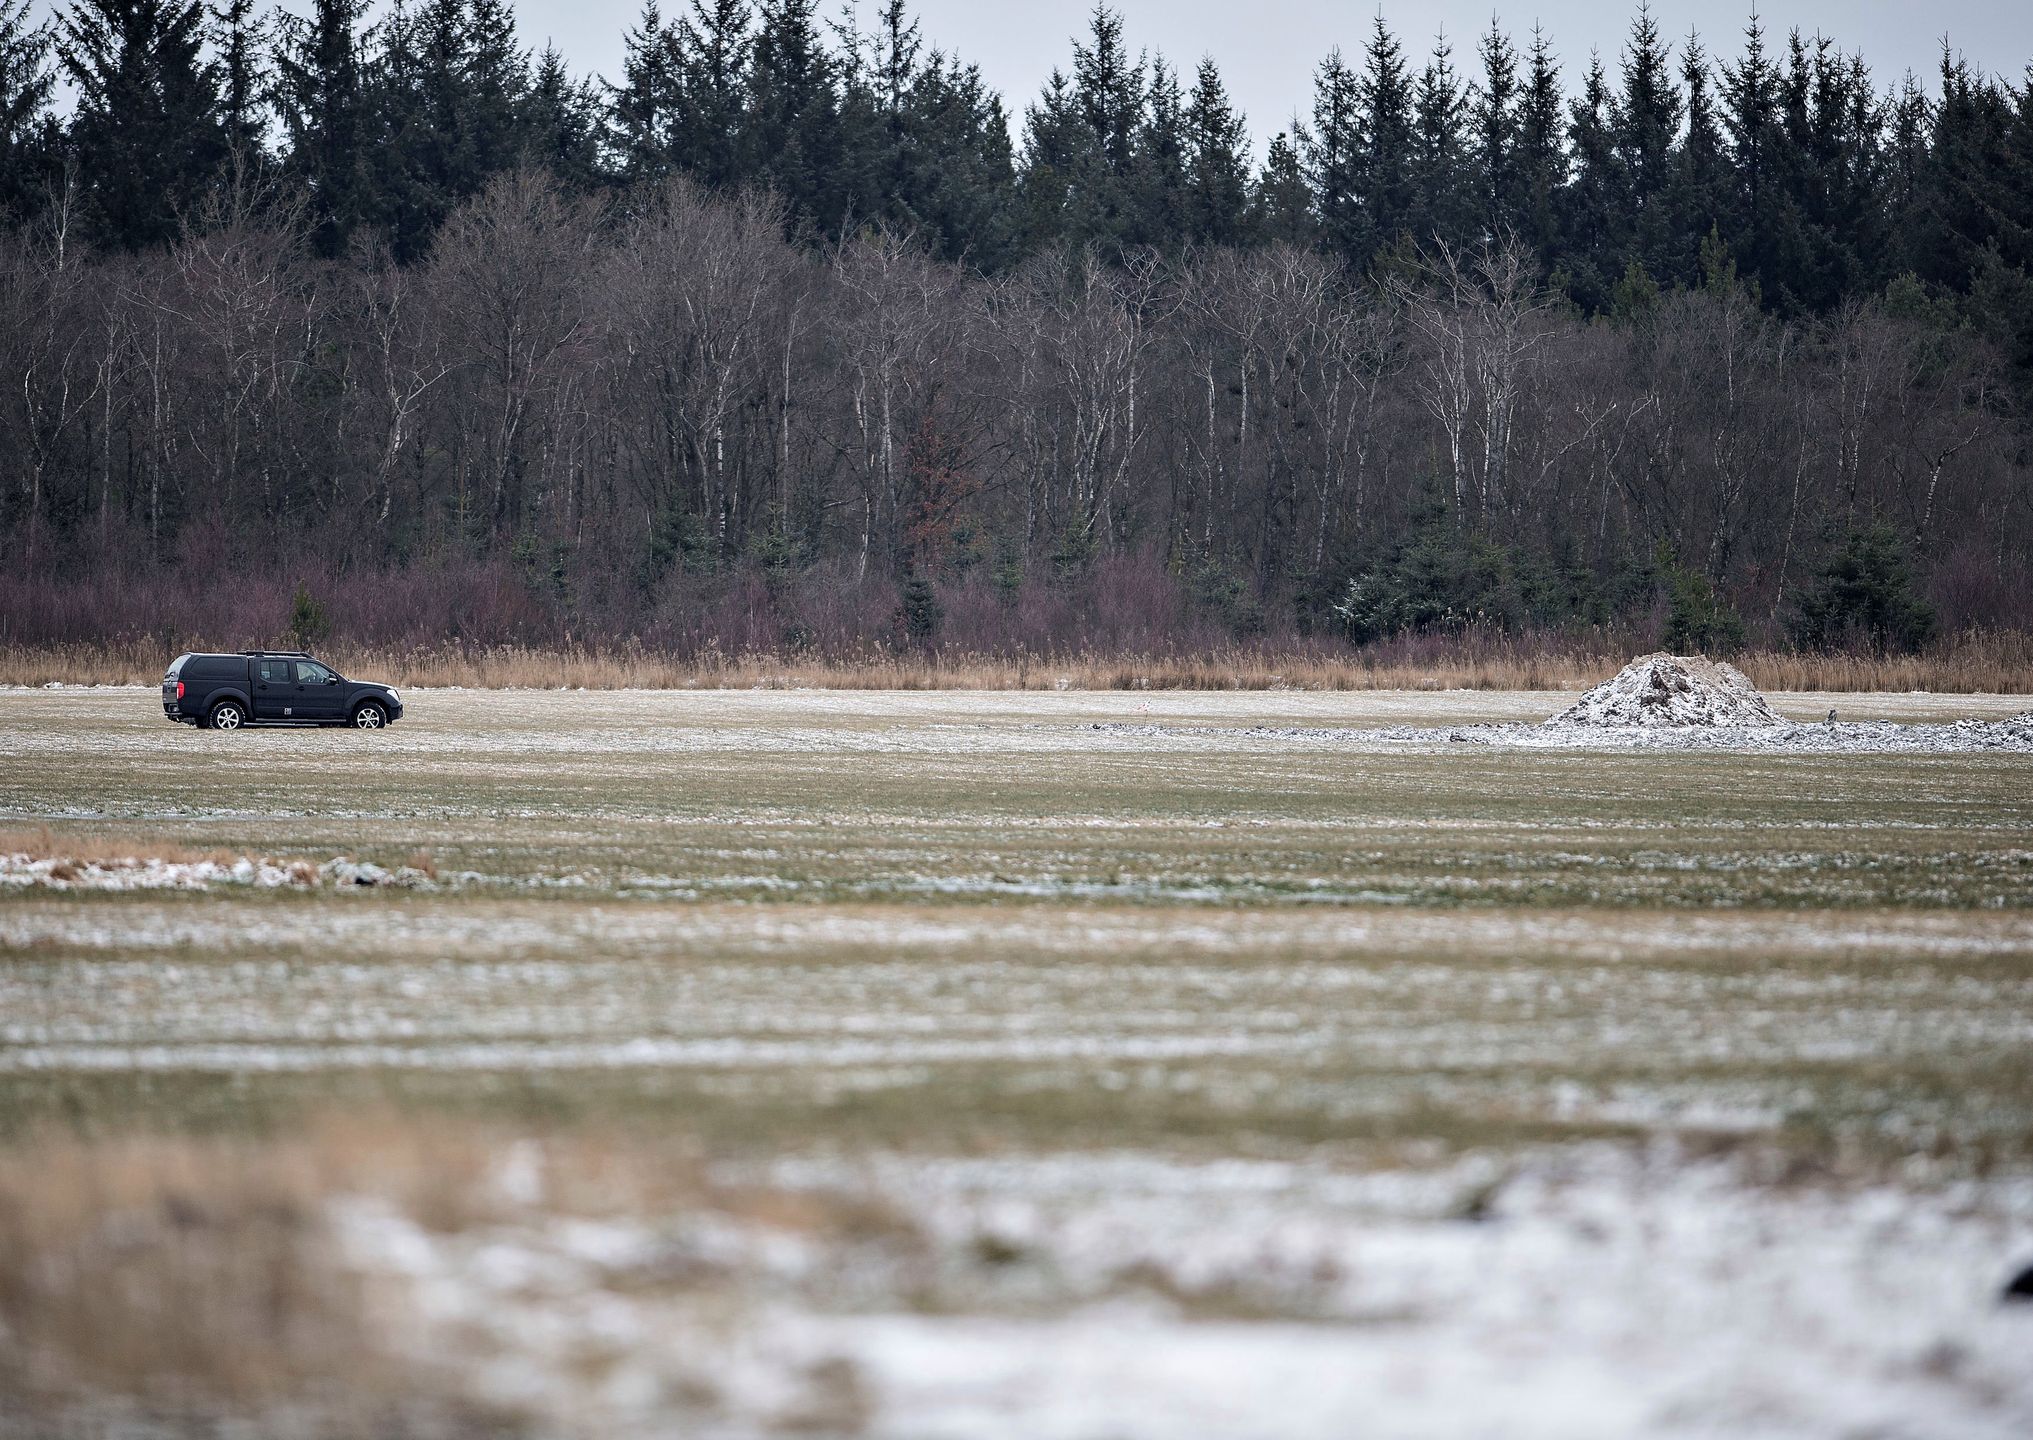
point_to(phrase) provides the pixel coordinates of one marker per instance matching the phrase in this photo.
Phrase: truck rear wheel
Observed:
(227, 715)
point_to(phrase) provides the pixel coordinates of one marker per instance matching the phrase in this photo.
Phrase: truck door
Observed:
(318, 692)
(274, 690)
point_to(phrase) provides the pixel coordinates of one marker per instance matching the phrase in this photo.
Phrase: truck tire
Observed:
(369, 717)
(227, 715)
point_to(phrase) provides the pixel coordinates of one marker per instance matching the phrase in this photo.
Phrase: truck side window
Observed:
(310, 672)
(275, 672)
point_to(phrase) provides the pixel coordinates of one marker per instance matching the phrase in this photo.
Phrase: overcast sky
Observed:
(1267, 49)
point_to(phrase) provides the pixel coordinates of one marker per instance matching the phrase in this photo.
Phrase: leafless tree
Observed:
(1479, 322)
(680, 376)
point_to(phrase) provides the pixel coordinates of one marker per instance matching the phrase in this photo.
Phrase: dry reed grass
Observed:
(43, 843)
(1986, 662)
(177, 1279)
(193, 1282)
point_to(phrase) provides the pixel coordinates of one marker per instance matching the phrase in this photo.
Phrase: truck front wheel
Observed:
(370, 717)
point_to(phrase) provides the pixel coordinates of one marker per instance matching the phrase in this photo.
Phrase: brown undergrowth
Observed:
(1986, 662)
(181, 1282)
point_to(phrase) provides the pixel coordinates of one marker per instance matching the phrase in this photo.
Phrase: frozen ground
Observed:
(1131, 1065)
(1260, 799)
(510, 723)
(1878, 737)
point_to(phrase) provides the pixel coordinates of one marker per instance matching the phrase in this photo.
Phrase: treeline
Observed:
(778, 341)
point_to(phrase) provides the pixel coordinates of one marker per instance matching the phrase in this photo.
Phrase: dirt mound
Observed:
(1674, 691)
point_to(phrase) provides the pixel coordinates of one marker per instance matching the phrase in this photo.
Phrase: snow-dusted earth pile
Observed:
(1674, 691)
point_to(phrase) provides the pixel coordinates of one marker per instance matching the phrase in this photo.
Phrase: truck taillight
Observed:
(179, 689)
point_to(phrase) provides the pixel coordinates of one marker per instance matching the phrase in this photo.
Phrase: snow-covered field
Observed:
(1049, 1065)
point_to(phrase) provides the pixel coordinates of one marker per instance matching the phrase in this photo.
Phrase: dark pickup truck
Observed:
(272, 687)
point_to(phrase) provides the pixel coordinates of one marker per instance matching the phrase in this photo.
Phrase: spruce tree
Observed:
(1593, 213)
(972, 198)
(1217, 163)
(27, 141)
(1442, 203)
(1647, 123)
(1974, 196)
(642, 111)
(792, 129)
(2015, 170)
(878, 75)
(925, 144)
(1384, 106)
(497, 84)
(1054, 154)
(417, 101)
(1842, 172)
(1793, 263)
(1158, 166)
(1333, 154)
(147, 131)
(1754, 119)
(1701, 179)
(1108, 96)
(1751, 97)
(965, 177)
(449, 86)
(319, 92)
(1909, 118)
(239, 38)
(1281, 203)
(1542, 153)
(1860, 200)
(1499, 192)
(1865, 591)
(560, 122)
(1080, 145)
(713, 45)
(1109, 91)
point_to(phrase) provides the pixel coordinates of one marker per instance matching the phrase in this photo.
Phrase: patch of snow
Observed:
(1871, 737)
(22, 871)
(340, 871)
(143, 872)
(1586, 1291)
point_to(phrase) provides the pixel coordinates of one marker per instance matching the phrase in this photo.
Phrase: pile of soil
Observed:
(1672, 691)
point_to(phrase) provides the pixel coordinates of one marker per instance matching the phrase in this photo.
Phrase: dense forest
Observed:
(785, 338)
